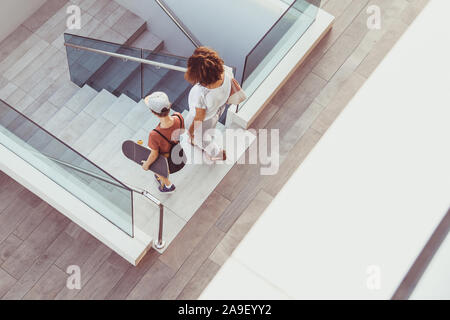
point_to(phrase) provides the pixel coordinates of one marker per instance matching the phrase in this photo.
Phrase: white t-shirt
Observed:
(211, 99)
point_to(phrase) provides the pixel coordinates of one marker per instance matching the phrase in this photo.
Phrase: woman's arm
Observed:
(151, 158)
(199, 116)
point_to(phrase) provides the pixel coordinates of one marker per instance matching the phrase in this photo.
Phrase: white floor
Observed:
(356, 214)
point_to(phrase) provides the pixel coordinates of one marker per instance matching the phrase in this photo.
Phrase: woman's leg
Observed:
(206, 141)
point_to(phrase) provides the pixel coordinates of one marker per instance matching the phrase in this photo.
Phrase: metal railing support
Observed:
(183, 29)
(161, 243)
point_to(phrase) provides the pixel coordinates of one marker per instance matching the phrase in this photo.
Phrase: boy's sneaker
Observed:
(167, 189)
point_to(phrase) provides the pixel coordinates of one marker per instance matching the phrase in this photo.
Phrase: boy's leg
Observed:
(164, 181)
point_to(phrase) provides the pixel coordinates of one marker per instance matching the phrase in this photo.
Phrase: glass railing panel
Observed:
(236, 25)
(101, 71)
(169, 81)
(273, 47)
(83, 179)
(122, 76)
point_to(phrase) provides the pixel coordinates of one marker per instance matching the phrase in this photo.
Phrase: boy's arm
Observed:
(151, 158)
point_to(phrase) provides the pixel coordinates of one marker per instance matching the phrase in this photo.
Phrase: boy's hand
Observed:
(145, 166)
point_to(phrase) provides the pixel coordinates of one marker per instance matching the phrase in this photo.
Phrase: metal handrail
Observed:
(128, 58)
(178, 23)
(160, 244)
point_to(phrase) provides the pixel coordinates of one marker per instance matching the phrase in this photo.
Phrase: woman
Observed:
(212, 82)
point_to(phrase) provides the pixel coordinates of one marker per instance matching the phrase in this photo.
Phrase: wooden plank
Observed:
(79, 252)
(36, 244)
(194, 231)
(199, 282)
(340, 101)
(389, 14)
(48, 286)
(377, 54)
(8, 191)
(39, 268)
(234, 210)
(235, 180)
(347, 42)
(8, 246)
(273, 184)
(132, 277)
(33, 220)
(88, 269)
(192, 264)
(6, 282)
(30, 198)
(104, 279)
(12, 216)
(152, 283)
(241, 227)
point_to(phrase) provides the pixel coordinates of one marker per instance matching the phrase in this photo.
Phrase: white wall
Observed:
(160, 25)
(240, 24)
(14, 12)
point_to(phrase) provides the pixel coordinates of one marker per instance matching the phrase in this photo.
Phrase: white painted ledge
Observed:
(281, 73)
(131, 249)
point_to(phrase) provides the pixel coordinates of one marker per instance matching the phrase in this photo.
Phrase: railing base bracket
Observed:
(160, 245)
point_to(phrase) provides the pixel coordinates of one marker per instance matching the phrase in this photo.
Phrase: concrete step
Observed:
(119, 109)
(148, 41)
(93, 136)
(175, 86)
(76, 127)
(130, 26)
(60, 120)
(81, 99)
(138, 116)
(102, 101)
(111, 145)
(114, 73)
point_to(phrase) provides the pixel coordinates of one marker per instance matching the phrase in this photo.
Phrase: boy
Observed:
(161, 139)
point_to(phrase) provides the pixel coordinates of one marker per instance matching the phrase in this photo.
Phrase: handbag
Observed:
(177, 158)
(237, 94)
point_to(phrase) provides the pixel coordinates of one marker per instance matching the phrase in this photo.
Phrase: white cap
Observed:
(157, 101)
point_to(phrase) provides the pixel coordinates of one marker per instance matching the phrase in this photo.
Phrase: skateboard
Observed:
(138, 153)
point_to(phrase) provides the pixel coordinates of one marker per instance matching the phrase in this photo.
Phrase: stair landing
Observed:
(99, 136)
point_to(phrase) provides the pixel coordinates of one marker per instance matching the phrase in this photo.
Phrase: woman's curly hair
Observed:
(204, 67)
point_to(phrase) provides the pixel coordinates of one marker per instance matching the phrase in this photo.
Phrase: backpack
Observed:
(177, 158)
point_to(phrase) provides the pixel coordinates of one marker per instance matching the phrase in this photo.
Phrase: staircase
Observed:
(102, 123)
(105, 110)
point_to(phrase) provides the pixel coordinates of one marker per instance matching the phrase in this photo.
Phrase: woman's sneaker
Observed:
(167, 189)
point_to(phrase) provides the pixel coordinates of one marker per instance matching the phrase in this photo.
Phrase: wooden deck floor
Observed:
(37, 244)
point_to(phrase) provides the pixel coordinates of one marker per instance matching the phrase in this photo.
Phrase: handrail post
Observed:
(178, 23)
(160, 244)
